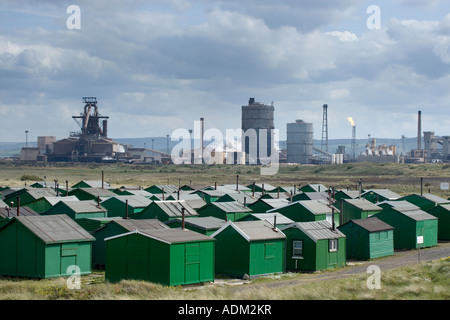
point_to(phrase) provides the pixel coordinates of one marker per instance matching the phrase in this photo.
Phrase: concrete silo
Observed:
(299, 142)
(257, 116)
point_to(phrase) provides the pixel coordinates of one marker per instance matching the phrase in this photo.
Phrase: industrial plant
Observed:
(91, 143)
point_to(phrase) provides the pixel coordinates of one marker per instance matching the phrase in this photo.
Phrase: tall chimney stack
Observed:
(419, 131)
(202, 132)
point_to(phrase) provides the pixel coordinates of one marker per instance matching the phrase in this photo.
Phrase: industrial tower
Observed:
(325, 129)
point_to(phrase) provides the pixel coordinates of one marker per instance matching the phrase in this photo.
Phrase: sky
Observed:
(160, 65)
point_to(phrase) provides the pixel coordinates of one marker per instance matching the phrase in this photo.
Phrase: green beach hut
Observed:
(165, 210)
(312, 246)
(413, 227)
(203, 225)
(78, 209)
(120, 206)
(264, 205)
(170, 257)
(368, 238)
(230, 211)
(442, 213)
(358, 209)
(309, 210)
(44, 247)
(249, 248)
(115, 227)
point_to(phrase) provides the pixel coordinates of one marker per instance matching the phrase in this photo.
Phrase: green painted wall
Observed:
(22, 254)
(364, 245)
(350, 212)
(235, 256)
(316, 255)
(142, 258)
(443, 216)
(406, 230)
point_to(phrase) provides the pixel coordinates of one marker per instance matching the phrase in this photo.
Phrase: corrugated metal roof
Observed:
(141, 224)
(231, 206)
(372, 224)
(363, 204)
(275, 203)
(399, 204)
(98, 192)
(169, 236)
(135, 201)
(352, 194)
(254, 230)
(168, 188)
(317, 206)
(94, 183)
(386, 193)
(231, 188)
(55, 200)
(281, 219)
(316, 187)
(55, 228)
(317, 230)
(416, 214)
(435, 198)
(241, 197)
(84, 206)
(23, 211)
(205, 223)
(445, 206)
(173, 208)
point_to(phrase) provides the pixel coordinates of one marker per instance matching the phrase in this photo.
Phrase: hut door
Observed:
(192, 263)
(68, 256)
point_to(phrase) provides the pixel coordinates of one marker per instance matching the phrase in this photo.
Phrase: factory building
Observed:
(378, 154)
(259, 117)
(91, 143)
(300, 141)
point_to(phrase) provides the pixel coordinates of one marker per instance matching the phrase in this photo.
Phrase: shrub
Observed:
(31, 177)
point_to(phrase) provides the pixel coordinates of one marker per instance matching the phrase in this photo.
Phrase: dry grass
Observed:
(426, 281)
(401, 178)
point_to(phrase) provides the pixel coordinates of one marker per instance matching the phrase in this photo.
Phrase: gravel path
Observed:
(399, 259)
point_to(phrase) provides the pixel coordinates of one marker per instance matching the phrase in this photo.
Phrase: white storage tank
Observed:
(299, 142)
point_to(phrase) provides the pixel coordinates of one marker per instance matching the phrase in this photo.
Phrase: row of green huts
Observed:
(187, 235)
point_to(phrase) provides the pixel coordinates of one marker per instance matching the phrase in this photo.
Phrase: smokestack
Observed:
(419, 130)
(102, 179)
(18, 205)
(237, 182)
(202, 132)
(126, 208)
(105, 128)
(275, 222)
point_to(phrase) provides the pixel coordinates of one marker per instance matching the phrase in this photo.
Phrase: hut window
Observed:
(297, 248)
(332, 245)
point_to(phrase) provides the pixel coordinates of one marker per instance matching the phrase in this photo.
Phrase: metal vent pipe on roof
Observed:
(182, 218)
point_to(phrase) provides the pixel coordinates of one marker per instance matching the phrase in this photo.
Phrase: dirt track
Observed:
(399, 259)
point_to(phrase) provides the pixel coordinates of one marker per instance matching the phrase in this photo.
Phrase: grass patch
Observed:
(427, 281)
